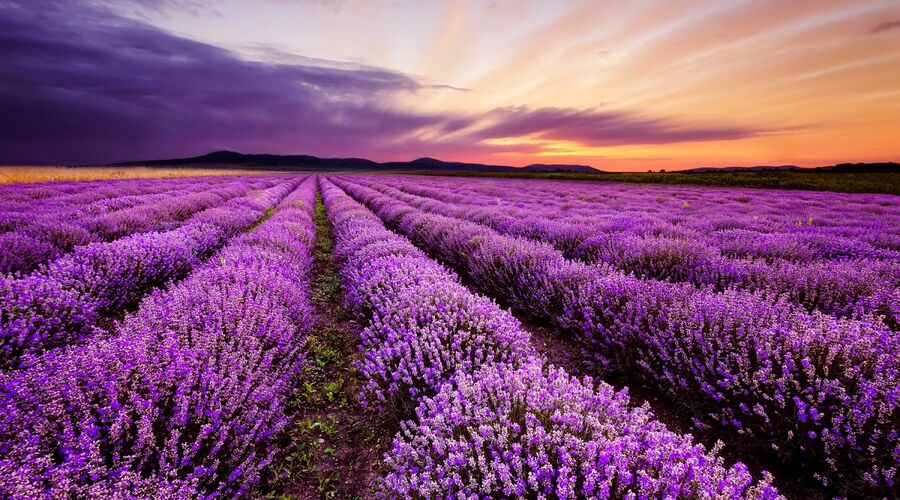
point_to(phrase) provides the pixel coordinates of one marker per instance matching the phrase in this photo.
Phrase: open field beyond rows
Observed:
(18, 175)
(398, 336)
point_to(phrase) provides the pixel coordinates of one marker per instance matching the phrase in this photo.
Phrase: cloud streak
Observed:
(599, 128)
(885, 26)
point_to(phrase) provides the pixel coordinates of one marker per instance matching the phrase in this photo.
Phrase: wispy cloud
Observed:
(885, 26)
(600, 128)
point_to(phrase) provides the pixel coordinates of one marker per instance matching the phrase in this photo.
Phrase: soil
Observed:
(336, 445)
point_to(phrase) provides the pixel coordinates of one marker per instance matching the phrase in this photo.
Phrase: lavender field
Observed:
(391, 336)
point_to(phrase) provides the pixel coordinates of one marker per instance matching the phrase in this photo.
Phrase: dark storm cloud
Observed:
(82, 85)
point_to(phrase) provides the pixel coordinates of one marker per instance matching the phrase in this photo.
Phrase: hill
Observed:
(231, 159)
(844, 177)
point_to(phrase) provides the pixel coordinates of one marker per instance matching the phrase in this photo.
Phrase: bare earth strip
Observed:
(337, 445)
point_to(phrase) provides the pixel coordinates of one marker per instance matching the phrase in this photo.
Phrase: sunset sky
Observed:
(618, 85)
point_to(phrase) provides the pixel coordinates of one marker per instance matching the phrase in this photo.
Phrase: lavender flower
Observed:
(535, 432)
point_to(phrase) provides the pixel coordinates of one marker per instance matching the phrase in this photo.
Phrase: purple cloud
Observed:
(885, 26)
(82, 85)
(598, 128)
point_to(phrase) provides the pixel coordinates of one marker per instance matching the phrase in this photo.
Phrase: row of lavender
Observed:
(843, 285)
(187, 399)
(491, 419)
(768, 224)
(57, 195)
(65, 301)
(36, 232)
(82, 192)
(803, 387)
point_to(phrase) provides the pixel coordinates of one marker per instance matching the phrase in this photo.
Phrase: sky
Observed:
(629, 85)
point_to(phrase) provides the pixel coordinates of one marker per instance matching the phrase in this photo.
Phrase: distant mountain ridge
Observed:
(232, 159)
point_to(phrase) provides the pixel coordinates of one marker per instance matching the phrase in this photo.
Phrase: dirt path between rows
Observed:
(337, 445)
